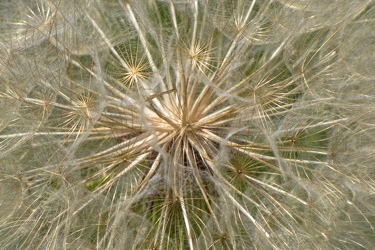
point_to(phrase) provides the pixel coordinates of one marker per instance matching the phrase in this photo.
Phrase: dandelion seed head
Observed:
(186, 125)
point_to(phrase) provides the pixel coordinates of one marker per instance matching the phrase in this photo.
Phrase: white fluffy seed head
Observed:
(186, 125)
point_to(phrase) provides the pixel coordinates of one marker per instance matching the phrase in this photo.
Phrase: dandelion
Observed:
(186, 125)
